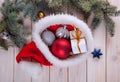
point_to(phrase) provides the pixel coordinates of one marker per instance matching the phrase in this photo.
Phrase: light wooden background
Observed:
(107, 69)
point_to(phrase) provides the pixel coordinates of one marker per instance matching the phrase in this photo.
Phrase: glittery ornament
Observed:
(48, 37)
(61, 48)
(97, 53)
(62, 32)
(41, 14)
(5, 35)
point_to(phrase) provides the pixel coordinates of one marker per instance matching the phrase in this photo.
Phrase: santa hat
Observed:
(31, 51)
(39, 51)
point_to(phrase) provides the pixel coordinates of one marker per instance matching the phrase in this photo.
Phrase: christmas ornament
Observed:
(97, 53)
(61, 48)
(5, 36)
(48, 37)
(41, 14)
(62, 32)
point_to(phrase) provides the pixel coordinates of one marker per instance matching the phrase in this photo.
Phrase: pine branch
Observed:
(96, 22)
(42, 6)
(98, 15)
(19, 6)
(31, 11)
(33, 8)
(12, 24)
(85, 5)
(110, 25)
(2, 26)
(26, 1)
(14, 31)
(18, 40)
(55, 3)
(77, 6)
(117, 13)
(3, 44)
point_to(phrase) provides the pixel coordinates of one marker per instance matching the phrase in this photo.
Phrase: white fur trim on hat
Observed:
(32, 68)
(42, 24)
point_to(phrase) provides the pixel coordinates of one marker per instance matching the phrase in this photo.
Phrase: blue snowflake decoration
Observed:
(97, 53)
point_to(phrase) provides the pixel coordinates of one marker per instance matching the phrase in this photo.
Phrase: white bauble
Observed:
(4, 35)
(48, 37)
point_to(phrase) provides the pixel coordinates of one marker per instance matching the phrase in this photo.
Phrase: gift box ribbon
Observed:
(77, 36)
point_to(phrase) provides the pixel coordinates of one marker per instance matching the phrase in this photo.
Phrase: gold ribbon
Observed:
(77, 37)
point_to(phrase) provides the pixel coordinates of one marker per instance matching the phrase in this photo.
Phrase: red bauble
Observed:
(61, 48)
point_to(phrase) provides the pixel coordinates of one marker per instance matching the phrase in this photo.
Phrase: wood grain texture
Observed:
(78, 73)
(58, 74)
(113, 50)
(44, 76)
(6, 65)
(19, 74)
(96, 67)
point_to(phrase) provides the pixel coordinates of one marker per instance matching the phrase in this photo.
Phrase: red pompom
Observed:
(61, 48)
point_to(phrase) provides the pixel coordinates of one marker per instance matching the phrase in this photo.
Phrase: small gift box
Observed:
(78, 42)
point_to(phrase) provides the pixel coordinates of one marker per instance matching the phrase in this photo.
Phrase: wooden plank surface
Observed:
(96, 67)
(6, 65)
(58, 74)
(113, 50)
(19, 74)
(44, 76)
(78, 73)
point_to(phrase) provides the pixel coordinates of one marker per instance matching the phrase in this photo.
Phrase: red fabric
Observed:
(53, 28)
(31, 51)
